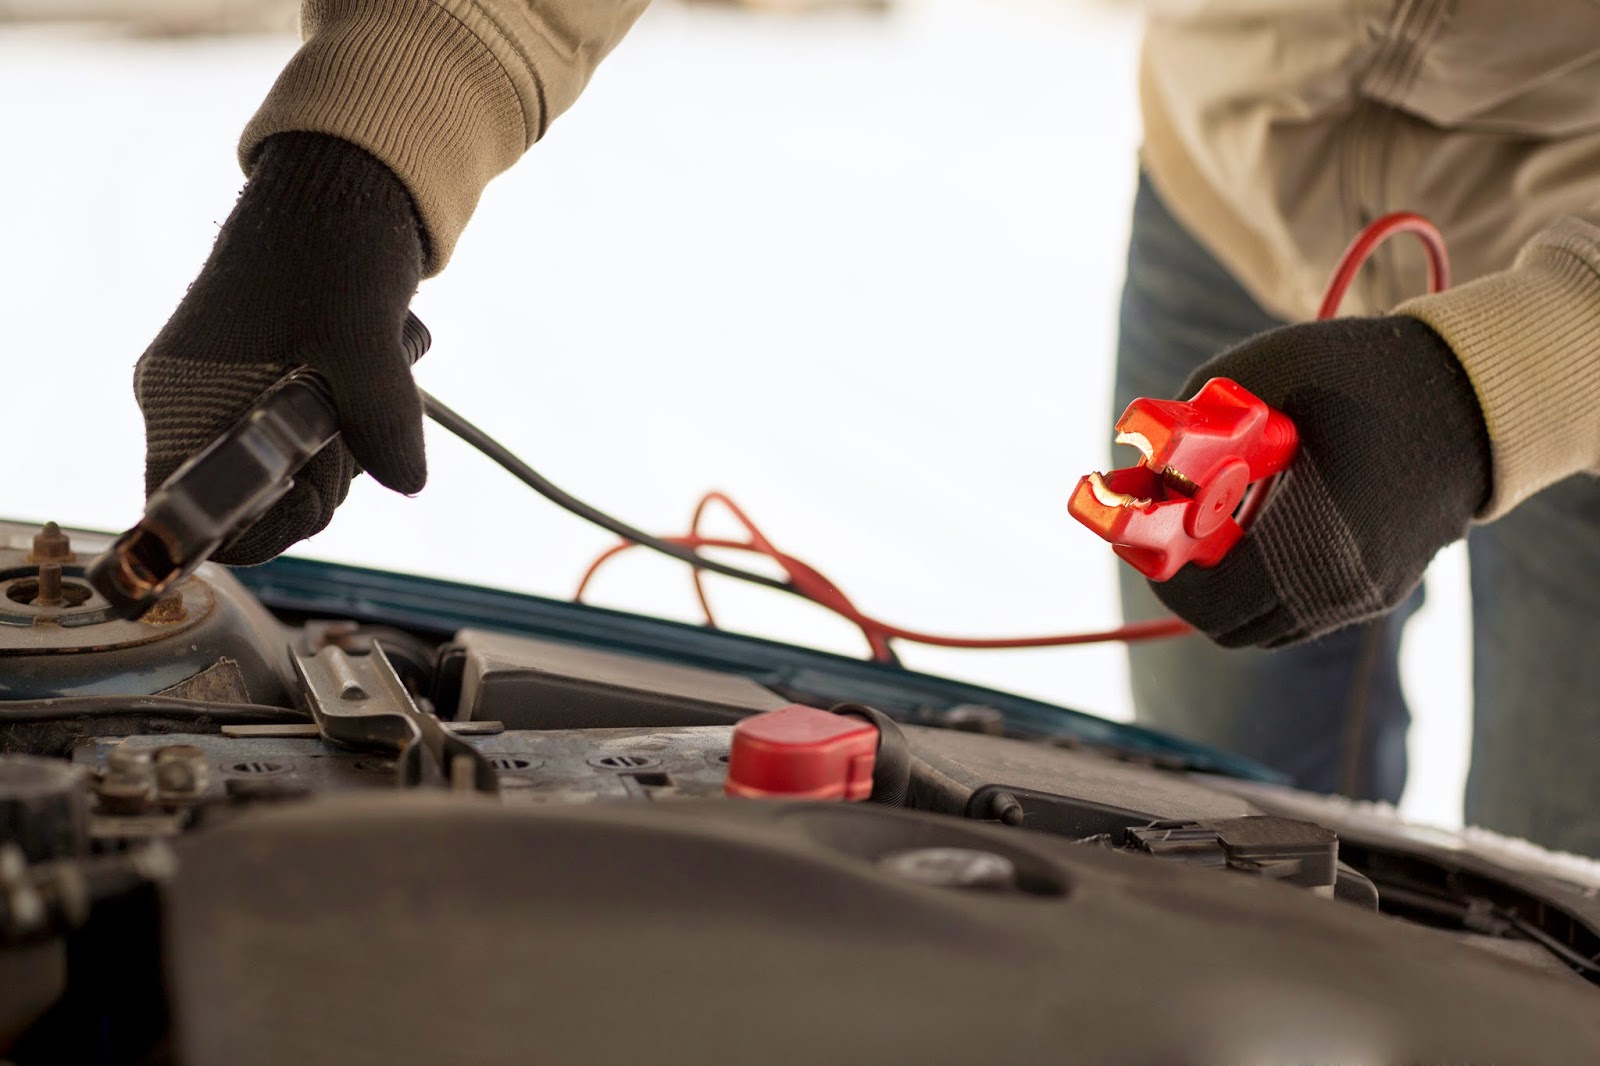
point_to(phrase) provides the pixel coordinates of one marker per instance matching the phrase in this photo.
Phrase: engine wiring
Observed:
(805, 581)
(70, 708)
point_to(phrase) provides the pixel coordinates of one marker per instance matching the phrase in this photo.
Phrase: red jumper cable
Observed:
(1157, 518)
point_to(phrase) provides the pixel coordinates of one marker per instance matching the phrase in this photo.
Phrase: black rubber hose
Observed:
(891, 772)
(61, 708)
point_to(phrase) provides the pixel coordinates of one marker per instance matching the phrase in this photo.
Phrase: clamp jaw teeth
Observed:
(1110, 497)
(1169, 476)
(1140, 441)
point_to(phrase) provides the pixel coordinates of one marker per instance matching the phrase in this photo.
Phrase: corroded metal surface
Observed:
(47, 606)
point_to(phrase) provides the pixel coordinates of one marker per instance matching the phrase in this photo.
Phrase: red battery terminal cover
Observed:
(1176, 506)
(800, 752)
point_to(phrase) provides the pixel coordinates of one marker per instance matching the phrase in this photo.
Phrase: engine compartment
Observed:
(240, 831)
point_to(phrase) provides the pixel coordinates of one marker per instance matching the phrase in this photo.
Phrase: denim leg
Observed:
(1536, 670)
(1329, 713)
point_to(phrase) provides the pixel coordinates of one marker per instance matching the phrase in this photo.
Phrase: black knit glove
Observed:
(1393, 463)
(315, 266)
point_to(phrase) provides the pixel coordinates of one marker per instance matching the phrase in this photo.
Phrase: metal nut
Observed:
(122, 795)
(124, 761)
(181, 770)
(128, 781)
(50, 545)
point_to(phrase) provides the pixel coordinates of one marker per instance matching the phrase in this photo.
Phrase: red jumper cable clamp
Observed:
(1177, 506)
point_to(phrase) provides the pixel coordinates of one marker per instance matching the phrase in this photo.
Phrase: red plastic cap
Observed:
(802, 753)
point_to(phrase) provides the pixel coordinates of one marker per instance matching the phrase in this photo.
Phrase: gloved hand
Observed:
(1393, 463)
(315, 266)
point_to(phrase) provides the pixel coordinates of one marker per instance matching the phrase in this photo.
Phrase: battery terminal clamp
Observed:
(1200, 456)
(218, 493)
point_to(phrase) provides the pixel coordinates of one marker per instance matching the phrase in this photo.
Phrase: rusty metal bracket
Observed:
(359, 702)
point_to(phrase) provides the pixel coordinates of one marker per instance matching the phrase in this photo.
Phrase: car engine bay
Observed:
(250, 828)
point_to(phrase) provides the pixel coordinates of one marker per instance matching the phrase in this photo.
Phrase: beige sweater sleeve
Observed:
(447, 93)
(1529, 338)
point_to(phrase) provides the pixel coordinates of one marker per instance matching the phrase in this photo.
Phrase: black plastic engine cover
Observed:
(431, 928)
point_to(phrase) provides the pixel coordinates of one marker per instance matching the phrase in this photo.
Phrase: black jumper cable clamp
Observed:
(221, 490)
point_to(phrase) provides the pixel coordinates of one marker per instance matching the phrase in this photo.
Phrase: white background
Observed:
(860, 272)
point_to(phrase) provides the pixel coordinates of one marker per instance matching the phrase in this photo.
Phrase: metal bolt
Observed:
(125, 761)
(13, 864)
(122, 795)
(51, 545)
(49, 593)
(181, 770)
(24, 911)
(167, 609)
(126, 785)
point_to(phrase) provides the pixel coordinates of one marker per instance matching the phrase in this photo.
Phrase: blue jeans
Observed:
(1331, 713)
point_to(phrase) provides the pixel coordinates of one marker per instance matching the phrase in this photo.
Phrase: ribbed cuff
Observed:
(416, 87)
(1529, 339)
